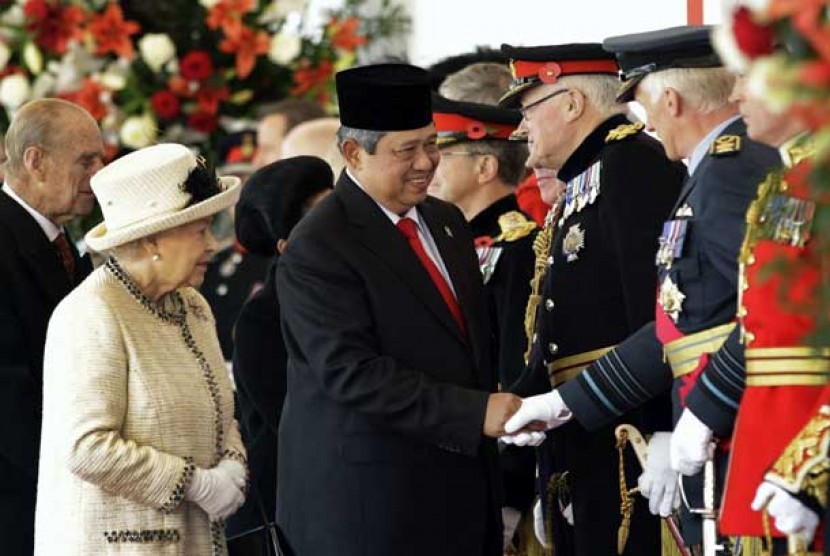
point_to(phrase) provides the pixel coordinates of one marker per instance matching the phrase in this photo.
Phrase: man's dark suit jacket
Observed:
(381, 447)
(32, 282)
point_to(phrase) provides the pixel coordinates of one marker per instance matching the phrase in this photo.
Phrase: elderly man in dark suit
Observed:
(386, 435)
(53, 149)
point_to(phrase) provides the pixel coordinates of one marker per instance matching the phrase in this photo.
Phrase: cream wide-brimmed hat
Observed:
(141, 194)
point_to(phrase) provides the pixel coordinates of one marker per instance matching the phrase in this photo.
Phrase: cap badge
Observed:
(476, 130)
(550, 72)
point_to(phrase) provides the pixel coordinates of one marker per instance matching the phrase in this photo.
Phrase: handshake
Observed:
(220, 491)
(523, 421)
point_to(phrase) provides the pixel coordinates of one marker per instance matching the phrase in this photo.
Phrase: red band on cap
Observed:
(474, 129)
(523, 68)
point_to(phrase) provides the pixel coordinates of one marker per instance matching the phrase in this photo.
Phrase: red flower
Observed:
(345, 35)
(196, 65)
(53, 26)
(226, 11)
(753, 39)
(209, 99)
(246, 43)
(89, 98)
(165, 104)
(483, 241)
(202, 121)
(310, 80)
(112, 33)
(815, 73)
(476, 130)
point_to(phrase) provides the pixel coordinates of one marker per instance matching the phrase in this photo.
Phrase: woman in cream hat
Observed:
(140, 452)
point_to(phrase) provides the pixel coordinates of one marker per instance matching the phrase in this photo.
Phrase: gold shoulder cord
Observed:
(541, 248)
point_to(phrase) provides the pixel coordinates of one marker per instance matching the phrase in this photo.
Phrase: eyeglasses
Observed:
(410, 152)
(525, 109)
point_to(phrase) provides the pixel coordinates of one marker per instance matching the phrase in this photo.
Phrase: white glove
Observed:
(215, 491)
(658, 482)
(539, 524)
(529, 438)
(510, 517)
(548, 408)
(235, 471)
(789, 515)
(689, 444)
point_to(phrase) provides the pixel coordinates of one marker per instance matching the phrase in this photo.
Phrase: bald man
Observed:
(315, 138)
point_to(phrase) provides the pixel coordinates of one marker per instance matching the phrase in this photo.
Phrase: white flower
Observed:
(115, 76)
(138, 131)
(14, 91)
(14, 16)
(5, 54)
(33, 58)
(771, 79)
(278, 10)
(156, 49)
(284, 48)
(44, 85)
(208, 4)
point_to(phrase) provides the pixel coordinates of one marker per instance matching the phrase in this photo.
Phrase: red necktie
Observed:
(409, 229)
(65, 252)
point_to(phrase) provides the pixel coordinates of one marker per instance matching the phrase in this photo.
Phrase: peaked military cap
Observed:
(384, 97)
(535, 65)
(639, 54)
(457, 121)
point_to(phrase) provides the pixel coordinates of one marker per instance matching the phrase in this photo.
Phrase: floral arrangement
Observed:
(178, 70)
(784, 48)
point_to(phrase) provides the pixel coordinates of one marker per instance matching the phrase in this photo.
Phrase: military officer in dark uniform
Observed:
(234, 274)
(479, 171)
(598, 266)
(679, 80)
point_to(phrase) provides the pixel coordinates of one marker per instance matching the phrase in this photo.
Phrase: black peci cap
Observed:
(384, 97)
(639, 54)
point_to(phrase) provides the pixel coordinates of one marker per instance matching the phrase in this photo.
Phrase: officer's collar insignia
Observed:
(581, 191)
(514, 226)
(624, 130)
(684, 211)
(725, 145)
(671, 298)
(573, 243)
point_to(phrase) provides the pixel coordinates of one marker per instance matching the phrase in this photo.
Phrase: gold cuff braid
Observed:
(803, 467)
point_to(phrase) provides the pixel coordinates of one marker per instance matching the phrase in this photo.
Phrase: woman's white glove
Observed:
(790, 516)
(658, 482)
(215, 491)
(235, 471)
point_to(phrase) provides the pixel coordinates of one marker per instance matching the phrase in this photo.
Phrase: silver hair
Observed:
(705, 89)
(368, 139)
(600, 90)
(484, 82)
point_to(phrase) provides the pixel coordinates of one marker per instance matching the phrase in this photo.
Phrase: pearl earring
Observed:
(156, 257)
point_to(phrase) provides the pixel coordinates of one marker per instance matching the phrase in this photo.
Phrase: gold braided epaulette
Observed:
(803, 466)
(514, 226)
(624, 130)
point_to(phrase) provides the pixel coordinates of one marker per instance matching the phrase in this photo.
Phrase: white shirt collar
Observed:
(49, 228)
(394, 217)
(703, 146)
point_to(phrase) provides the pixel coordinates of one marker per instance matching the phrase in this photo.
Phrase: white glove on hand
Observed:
(789, 515)
(215, 492)
(658, 482)
(689, 444)
(529, 438)
(548, 408)
(235, 471)
(539, 524)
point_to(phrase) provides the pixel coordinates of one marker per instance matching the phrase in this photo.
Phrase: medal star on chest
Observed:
(573, 243)
(671, 298)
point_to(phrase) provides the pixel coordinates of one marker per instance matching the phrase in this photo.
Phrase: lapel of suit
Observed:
(378, 234)
(37, 253)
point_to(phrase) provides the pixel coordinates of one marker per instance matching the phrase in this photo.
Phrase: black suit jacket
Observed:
(32, 282)
(381, 447)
